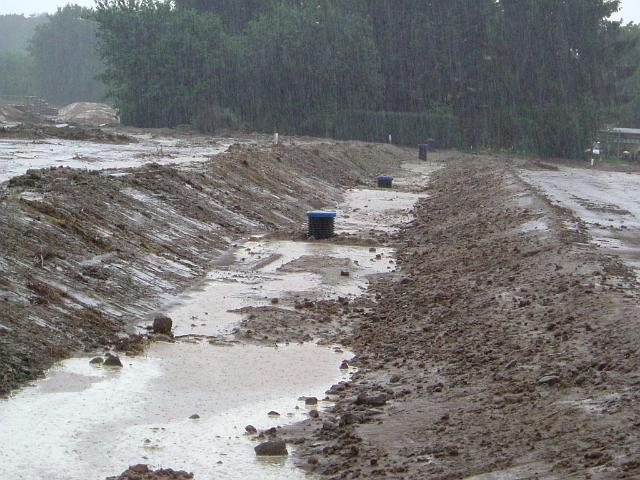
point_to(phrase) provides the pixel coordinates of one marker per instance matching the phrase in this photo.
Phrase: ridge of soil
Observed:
(494, 352)
(85, 256)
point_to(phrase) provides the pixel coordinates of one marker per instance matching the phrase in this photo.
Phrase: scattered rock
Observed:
(273, 414)
(162, 325)
(311, 401)
(251, 430)
(97, 361)
(549, 380)
(143, 472)
(376, 400)
(112, 361)
(195, 416)
(273, 448)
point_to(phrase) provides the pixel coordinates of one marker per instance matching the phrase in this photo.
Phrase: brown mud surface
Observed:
(42, 132)
(143, 472)
(496, 351)
(87, 256)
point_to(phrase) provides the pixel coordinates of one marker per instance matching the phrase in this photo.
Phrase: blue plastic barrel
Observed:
(321, 223)
(385, 181)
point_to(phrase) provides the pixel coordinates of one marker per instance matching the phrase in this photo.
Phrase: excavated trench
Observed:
(184, 404)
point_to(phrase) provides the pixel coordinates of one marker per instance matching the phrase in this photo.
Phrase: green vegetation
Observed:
(518, 75)
(515, 74)
(65, 59)
(16, 31)
(16, 75)
(51, 56)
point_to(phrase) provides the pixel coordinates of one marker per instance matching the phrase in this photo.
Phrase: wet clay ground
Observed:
(87, 255)
(505, 347)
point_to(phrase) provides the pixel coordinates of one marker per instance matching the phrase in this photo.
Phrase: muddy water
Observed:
(18, 156)
(606, 201)
(86, 422)
(282, 270)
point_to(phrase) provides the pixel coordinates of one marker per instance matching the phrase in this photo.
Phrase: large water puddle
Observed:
(384, 210)
(18, 156)
(85, 422)
(282, 271)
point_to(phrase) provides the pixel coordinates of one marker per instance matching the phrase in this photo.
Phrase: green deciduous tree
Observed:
(66, 62)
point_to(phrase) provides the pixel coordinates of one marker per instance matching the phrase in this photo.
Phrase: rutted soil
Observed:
(504, 346)
(497, 351)
(76, 273)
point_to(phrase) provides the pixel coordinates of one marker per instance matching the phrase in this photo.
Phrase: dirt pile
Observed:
(86, 255)
(10, 116)
(88, 114)
(143, 472)
(41, 132)
(496, 349)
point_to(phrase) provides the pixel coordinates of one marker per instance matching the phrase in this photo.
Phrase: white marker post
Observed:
(276, 138)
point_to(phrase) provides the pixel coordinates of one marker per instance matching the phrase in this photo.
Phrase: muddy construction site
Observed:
(164, 315)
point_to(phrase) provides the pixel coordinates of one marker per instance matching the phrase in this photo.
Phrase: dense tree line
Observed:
(16, 31)
(538, 76)
(57, 61)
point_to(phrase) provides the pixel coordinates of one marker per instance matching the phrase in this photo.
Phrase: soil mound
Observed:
(143, 472)
(89, 114)
(10, 115)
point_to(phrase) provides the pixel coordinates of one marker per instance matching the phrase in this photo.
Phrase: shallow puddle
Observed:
(282, 270)
(18, 156)
(85, 422)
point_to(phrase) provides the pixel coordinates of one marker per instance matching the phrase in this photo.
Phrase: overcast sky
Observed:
(630, 8)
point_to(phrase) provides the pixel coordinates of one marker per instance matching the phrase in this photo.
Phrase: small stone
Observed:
(96, 361)
(312, 461)
(311, 401)
(395, 379)
(274, 448)
(314, 414)
(377, 400)
(195, 416)
(273, 414)
(549, 380)
(162, 325)
(112, 361)
(344, 274)
(140, 468)
(344, 365)
(372, 249)
(251, 430)
(275, 301)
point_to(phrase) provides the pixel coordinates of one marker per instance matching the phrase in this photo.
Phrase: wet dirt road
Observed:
(608, 203)
(18, 156)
